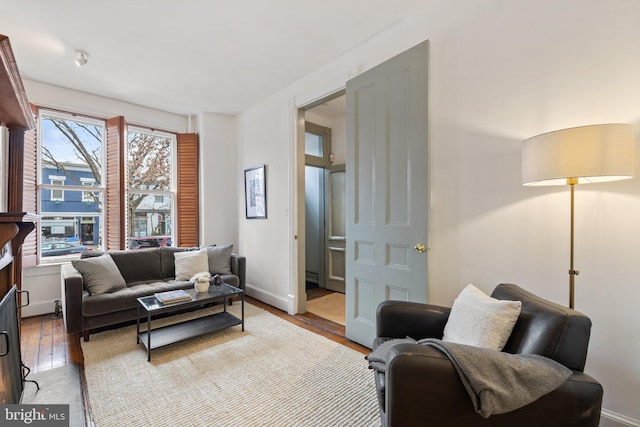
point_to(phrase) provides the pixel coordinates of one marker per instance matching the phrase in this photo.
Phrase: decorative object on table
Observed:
(171, 297)
(255, 192)
(580, 155)
(201, 281)
(217, 280)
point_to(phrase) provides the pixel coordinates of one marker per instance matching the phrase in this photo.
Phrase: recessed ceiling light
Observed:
(81, 58)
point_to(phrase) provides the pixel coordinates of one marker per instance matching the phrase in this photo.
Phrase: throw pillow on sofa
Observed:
(99, 274)
(479, 320)
(190, 263)
(219, 259)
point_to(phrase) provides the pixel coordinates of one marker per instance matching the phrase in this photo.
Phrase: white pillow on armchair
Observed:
(479, 320)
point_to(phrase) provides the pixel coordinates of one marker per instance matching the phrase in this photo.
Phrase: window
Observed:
(317, 145)
(133, 173)
(313, 144)
(71, 155)
(139, 225)
(150, 182)
(88, 196)
(57, 194)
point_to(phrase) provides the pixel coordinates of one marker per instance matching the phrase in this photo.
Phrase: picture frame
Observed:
(255, 189)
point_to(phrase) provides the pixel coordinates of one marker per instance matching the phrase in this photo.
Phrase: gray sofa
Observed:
(145, 272)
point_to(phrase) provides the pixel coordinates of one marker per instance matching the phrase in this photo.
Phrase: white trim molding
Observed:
(612, 419)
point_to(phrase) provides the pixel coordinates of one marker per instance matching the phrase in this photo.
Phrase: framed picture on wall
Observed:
(255, 192)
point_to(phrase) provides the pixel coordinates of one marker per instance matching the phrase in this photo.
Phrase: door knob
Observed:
(419, 248)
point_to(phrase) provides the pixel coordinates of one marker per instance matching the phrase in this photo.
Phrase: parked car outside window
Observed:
(62, 248)
(149, 242)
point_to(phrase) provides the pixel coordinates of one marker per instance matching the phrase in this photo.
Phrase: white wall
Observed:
(219, 175)
(45, 95)
(264, 137)
(500, 71)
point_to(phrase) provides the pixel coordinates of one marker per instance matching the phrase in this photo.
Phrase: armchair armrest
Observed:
(239, 268)
(422, 387)
(72, 288)
(399, 319)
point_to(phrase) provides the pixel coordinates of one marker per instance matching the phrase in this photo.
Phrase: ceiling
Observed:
(216, 56)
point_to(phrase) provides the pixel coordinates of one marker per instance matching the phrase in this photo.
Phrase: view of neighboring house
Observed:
(70, 215)
(73, 215)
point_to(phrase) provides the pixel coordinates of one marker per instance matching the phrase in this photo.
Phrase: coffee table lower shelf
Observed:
(189, 329)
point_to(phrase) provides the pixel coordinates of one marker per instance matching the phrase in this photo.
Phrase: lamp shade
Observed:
(585, 154)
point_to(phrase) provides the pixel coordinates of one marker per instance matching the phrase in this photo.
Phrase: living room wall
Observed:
(219, 174)
(500, 72)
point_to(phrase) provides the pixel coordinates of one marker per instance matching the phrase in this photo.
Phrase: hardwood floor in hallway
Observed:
(317, 320)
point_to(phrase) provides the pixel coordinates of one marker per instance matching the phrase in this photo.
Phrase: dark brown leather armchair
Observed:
(422, 388)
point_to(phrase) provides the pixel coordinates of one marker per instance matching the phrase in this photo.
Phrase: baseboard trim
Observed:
(612, 419)
(267, 297)
(38, 309)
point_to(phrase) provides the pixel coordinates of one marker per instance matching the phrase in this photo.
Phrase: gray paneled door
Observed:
(336, 228)
(387, 188)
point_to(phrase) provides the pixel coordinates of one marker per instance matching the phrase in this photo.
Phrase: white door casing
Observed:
(387, 188)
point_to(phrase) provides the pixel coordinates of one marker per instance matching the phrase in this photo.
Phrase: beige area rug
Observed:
(331, 306)
(272, 374)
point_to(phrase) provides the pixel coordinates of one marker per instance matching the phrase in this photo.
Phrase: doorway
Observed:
(387, 197)
(325, 212)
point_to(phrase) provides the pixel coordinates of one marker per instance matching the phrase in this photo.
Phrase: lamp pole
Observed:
(572, 272)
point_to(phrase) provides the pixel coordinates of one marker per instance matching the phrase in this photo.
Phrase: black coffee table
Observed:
(190, 328)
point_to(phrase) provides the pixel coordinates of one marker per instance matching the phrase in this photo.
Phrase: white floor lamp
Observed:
(580, 155)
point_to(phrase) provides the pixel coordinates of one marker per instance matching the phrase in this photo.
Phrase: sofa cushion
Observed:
(139, 264)
(219, 259)
(167, 261)
(477, 319)
(99, 274)
(126, 298)
(190, 263)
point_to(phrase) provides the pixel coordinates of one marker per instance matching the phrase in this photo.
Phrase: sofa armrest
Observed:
(422, 387)
(399, 319)
(239, 268)
(72, 287)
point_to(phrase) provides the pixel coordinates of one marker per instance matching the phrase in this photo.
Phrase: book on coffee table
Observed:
(171, 297)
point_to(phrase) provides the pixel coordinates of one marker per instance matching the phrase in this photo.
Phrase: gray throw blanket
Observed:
(496, 382)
